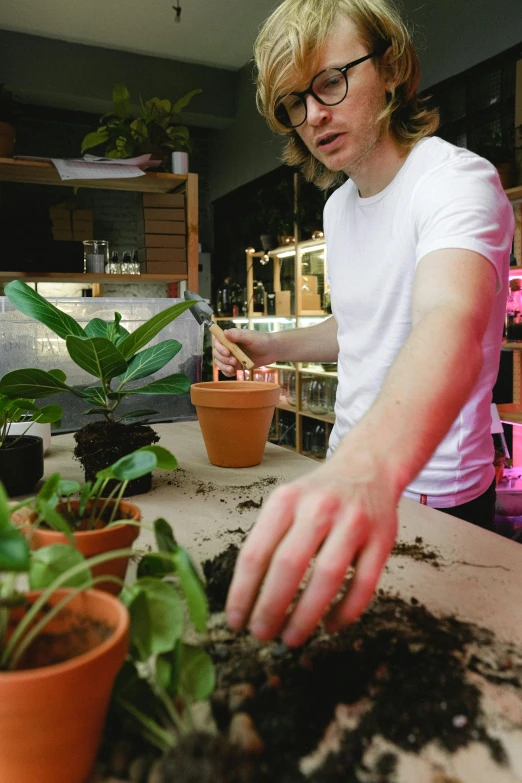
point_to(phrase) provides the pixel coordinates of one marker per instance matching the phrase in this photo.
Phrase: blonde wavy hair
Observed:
(287, 52)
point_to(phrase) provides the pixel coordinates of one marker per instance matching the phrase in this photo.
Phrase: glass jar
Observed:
(95, 255)
(317, 396)
(259, 298)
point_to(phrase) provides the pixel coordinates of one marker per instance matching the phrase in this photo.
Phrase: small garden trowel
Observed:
(203, 313)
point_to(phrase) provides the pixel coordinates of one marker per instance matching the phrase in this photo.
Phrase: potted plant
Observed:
(61, 646)
(157, 128)
(114, 357)
(99, 520)
(22, 455)
(7, 122)
(165, 674)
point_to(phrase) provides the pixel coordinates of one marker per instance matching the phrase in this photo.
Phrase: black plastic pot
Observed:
(21, 465)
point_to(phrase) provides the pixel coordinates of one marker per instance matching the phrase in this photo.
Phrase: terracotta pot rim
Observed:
(122, 623)
(238, 395)
(84, 534)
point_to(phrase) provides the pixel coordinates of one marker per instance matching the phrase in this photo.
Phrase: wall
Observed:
(451, 36)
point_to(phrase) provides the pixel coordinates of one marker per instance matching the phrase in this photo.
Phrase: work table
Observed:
(472, 574)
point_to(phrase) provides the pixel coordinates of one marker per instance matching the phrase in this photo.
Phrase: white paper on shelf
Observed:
(81, 169)
(143, 161)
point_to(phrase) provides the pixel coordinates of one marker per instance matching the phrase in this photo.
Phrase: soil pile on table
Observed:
(218, 575)
(399, 673)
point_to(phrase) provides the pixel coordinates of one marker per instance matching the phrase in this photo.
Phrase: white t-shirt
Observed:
(442, 197)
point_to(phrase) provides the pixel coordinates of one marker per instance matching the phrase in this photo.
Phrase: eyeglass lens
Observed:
(330, 87)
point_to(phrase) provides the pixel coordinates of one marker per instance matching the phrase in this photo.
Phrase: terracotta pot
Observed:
(51, 718)
(95, 542)
(235, 418)
(7, 140)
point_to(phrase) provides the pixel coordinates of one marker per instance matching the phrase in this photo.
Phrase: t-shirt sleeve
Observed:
(463, 205)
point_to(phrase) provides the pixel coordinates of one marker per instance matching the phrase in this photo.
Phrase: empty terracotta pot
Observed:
(235, 418)
(96, 542)
(52, 716)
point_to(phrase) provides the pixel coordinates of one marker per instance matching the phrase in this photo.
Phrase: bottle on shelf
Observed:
(135, 264)
(114, 266)
(126, 263)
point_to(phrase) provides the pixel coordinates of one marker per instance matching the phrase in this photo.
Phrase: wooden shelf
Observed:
(85, 277)
(282, 406)
(511, 346)
(328, 418)
(43, 173)
(510, 413)
(514, 194)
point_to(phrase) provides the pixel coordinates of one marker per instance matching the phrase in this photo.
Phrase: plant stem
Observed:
(163, 739)
(118, 501)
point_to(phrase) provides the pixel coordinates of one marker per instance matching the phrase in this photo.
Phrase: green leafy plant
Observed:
(105, 350)
(96, 506)
(16, 410)
(164, 675)
(156, 128)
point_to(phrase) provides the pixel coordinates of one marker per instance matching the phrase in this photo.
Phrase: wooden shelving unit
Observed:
(32, 172)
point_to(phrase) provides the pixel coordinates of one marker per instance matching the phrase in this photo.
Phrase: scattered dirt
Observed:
(203, 758)
(218, 574)
(99, 444)
(247, 504)
(417, 551)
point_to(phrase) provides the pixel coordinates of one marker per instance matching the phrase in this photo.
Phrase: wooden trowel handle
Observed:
(234, 349)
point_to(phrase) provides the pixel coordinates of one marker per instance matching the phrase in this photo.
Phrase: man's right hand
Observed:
(255, 344)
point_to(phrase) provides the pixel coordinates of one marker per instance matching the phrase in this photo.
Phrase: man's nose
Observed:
(316, 112)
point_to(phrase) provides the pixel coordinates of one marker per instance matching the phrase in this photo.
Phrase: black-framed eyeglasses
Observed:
(329, 87)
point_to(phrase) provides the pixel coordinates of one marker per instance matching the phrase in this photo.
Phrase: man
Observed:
(418, 243)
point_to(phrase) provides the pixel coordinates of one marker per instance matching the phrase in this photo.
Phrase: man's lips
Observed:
(328, 140)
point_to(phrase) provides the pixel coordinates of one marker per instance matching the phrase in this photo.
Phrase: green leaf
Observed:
(85, 494)
(14, 550)
(137, 414)
(183, 102)
(152, 565)
(99, 136)
(5, 514)
(97, 355)
(58, 374)
(197, 675)
(35, 306)
(97, 412)
(31, 383)
(54, 519)
(111, 330)
(165, 460)
(48, 414)
(121, 100)
(150, 360)
(67, 488)
(133, 466)
(52, 561)
(144, 333)
(95, 396)
(192, 587)
(48, 490)
(165, 540)
(156, 614)
(171, 384)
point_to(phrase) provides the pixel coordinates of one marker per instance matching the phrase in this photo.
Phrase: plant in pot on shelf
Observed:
(273, 215)
(111, 354)
(157, 129)
(22, 455)
(98, 520)
(8, 112)
(61, 646)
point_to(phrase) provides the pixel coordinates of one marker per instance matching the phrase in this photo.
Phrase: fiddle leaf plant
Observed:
(105, 350)
(15, 410)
